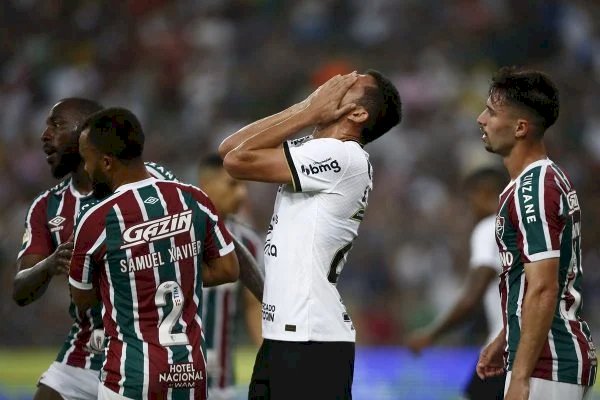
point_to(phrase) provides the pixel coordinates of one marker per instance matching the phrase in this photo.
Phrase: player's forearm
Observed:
(30, 284)
(453, 317)
(250, 273)
(234, 140)
(538, 311)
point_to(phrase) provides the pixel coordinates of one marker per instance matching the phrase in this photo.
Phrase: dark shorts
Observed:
(303, 370)
(488, 389)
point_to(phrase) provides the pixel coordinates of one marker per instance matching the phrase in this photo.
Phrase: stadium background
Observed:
(196, 70)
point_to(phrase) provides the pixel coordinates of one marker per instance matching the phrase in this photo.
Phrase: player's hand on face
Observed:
(418, 341)
(59, 261)
(323, 105)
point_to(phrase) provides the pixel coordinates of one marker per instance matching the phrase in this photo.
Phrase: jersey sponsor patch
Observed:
(157, 229)
(318, 167)
(573, 202)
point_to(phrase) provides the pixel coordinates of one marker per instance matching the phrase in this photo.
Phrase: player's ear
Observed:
(107, 162)
(358, 115)
(522, 128)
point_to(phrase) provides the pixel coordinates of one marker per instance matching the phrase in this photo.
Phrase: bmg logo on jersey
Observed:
(321, 166)
(161, 228)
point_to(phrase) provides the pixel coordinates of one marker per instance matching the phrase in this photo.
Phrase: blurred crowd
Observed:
(195, 71)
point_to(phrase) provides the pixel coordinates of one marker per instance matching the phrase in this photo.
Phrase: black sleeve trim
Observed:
(290, 161)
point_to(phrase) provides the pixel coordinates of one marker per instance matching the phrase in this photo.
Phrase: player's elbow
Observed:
(18, 296)
(236, 162)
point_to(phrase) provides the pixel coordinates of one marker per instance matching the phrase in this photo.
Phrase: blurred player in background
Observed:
(221, 302)
(146, 251)
(325, 180)
(481, 284)
(47, 248)
(550, 354)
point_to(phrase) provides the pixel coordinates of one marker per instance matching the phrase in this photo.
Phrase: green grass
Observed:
(20, 368)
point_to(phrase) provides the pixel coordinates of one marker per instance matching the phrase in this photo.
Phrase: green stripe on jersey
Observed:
(123, 304)
(529, 204)
(198, 232)
(166, 272)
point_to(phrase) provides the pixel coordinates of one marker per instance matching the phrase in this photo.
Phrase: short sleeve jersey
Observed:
(49, 222)
(539, 218)
(314, 224)
(144, 247)
(484, 254)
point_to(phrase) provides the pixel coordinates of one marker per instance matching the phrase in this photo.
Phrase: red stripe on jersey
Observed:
(78, 356)
(40, 241)
(187, 269)
(69, 213)
(112, 365)
(584, 348)
(224, 339)
(543, 367)
(145, 286)
(552, 199)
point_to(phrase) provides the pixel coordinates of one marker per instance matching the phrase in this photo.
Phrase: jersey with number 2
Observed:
(145, 246)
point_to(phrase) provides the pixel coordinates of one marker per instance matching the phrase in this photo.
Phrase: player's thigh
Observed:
(71, 383)
(44, 392)
(312, 370)
(259, 388)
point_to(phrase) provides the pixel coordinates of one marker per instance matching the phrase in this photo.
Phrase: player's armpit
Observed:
(262, 165)
(220, 270)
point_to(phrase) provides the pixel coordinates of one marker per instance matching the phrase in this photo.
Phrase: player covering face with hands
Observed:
(325, 180)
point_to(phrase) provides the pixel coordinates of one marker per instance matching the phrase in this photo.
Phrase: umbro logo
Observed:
(151, 200)
(57, 221)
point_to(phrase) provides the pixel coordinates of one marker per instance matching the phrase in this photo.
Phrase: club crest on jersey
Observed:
(499, 227)
(157, 229)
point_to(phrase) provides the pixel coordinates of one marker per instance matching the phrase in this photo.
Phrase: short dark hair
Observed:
(117, 132)
(383, 105)
(495, 177)
(211, 160)
(529, 89)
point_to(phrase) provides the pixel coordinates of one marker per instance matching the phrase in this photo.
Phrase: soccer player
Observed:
(220, 302)
(146, 251)
(549, 350)
(325, 180)
(47, 249)
(481, 284)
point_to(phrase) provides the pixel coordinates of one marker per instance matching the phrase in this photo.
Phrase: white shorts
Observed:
(105, 393)
(72, 383)
(542, 389)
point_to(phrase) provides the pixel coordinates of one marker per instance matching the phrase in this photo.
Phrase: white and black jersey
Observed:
(484, 254)
(314, 223)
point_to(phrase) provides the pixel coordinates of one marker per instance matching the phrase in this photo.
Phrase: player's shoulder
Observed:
(55, 191)
(159, 171)
(194, 191)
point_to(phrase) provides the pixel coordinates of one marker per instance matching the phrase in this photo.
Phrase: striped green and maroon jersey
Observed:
(539, 218)
(219, 316)
(49, 222)
(144, 247)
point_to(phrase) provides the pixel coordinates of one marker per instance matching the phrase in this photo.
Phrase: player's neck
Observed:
(81, 180)
(522, 156)
(130, 174)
